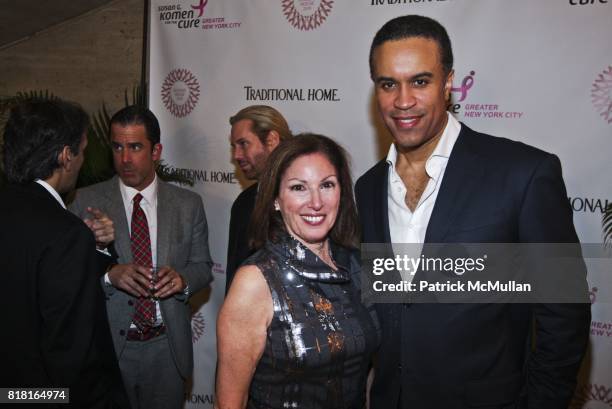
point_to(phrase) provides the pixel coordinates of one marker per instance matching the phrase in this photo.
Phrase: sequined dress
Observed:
(321, 338)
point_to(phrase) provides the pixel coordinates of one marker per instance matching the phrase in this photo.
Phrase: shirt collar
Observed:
(442, 150)
(53, 192)
(149, 193)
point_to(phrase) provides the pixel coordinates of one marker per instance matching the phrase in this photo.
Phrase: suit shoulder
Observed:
(96, 189)
(245, 197)
(182, 194)
(503, 148)
(25, 210)
(374, 175)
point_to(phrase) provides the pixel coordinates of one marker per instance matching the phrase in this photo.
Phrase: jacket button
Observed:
(130, 302)
(122, 332)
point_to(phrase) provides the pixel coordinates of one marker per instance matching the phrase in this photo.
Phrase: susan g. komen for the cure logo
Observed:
(200, 7)
(307, 14)
(466, 84)
(180, 92)
(601, 94)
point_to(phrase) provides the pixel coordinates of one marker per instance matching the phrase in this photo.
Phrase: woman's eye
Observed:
(297, 188)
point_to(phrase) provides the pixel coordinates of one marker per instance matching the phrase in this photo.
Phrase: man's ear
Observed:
(65, 157)
(157, 150)
(272, 140)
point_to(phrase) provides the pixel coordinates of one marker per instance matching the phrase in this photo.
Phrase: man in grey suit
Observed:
(161, 240)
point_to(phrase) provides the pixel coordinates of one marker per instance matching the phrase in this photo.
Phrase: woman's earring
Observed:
(276, 206)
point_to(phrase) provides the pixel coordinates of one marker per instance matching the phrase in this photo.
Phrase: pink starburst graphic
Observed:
(587, 394)
(180, 92)
(198, 324)
(305, 20)
(601, 94)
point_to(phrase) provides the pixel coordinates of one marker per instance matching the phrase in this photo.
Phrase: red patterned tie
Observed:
(144, 314)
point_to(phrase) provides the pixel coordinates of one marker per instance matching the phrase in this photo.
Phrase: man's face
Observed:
(247, 149)
(133, 155)
(411, 90)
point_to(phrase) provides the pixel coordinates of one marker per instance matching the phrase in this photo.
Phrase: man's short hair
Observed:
(35, 135)
(138, 115)
(265, 119)
(412, 25)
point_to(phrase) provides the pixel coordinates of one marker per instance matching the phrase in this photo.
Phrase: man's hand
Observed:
(131, 278)
(169, 283)
(102, 227)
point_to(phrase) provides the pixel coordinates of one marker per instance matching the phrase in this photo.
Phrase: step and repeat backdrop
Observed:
(534, 71)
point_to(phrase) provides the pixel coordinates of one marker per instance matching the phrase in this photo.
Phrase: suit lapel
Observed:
(116, 211)
(380, 204)
(460, 180)
(164, 223)
(384, 207)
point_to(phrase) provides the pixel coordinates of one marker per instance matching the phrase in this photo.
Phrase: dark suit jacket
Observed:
(238, 244)
(53, 311)
(463, 355)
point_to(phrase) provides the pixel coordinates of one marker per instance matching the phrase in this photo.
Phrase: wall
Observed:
(89, 59)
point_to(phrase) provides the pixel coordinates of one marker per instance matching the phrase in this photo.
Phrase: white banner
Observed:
(533, 71)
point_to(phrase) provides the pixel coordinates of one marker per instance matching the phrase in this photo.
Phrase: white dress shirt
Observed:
(149, 207)
(406, 226)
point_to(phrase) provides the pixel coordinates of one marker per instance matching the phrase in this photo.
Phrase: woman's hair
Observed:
(267, 223)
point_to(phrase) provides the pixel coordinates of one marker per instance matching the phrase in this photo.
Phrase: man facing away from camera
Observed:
(53, 311)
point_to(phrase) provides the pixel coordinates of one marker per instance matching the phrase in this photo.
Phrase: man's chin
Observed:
(128, 180)
(250, 175)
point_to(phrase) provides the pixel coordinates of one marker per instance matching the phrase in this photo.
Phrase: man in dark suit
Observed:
(256, 132)
(156, 225)
(53, 311)
(445, 183)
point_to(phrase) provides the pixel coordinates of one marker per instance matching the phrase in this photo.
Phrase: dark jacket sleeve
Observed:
(75, 343)
(561, 330)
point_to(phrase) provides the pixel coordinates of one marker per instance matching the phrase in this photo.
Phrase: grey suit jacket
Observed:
(182, 243)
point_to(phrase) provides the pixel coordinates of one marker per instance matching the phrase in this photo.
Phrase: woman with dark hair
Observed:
(292, 332)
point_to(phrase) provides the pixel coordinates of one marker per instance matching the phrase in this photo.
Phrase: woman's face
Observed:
(309, 197)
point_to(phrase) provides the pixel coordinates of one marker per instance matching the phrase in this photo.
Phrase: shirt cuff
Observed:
(104, 251)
